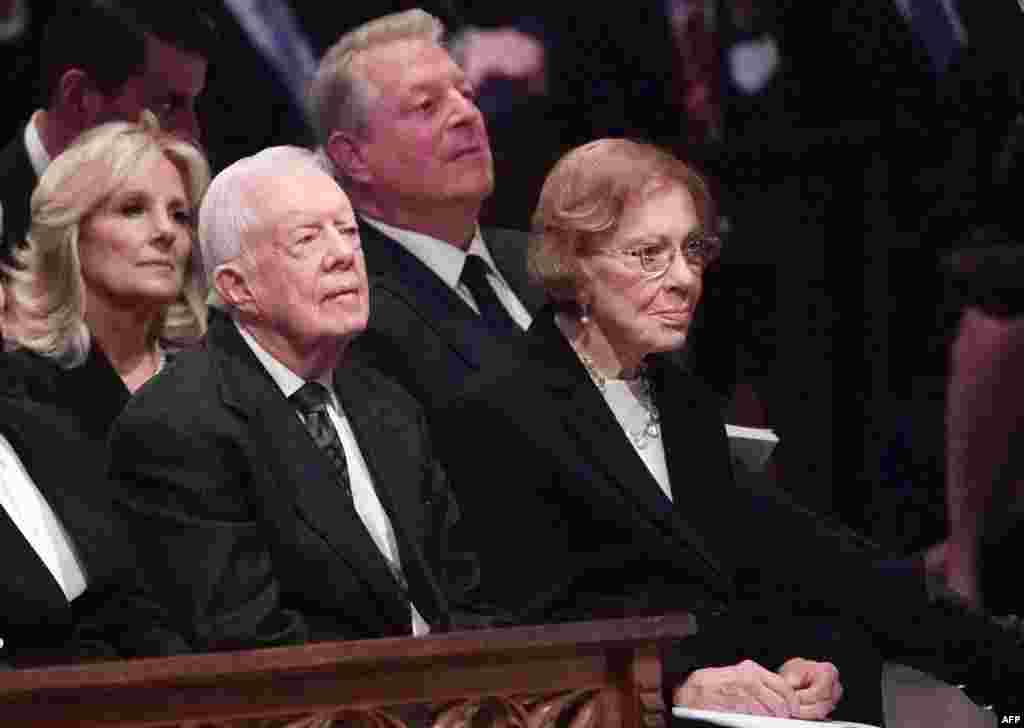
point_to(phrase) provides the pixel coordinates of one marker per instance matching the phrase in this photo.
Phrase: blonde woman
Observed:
(106, 285)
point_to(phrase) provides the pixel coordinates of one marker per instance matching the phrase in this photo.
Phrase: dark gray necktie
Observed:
(311, 400)
(494, 314)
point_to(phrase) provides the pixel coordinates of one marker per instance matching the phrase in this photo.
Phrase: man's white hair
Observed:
(230, 209)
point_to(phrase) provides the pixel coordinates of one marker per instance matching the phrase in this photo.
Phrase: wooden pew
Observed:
(602, 673)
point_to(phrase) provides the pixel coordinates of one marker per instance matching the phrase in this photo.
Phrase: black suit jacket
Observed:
(552, 460)
(37, 623)
(92, 394)
(421, 332)
(243, 532)
(568, 522)
(18, 182)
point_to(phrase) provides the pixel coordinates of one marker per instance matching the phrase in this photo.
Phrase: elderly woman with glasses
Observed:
(106, 285)
(594, 474)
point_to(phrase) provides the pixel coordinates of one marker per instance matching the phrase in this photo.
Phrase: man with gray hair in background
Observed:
(398, 122)
(279, 493)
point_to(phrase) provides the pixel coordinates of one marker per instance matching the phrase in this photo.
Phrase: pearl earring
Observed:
(584, 313)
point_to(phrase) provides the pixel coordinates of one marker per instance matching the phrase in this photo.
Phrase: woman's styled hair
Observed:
(582, 201)
(46, 292)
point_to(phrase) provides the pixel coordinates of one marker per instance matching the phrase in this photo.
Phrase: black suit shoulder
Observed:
(179, 413)
(19, 180)
(189, 374)
(92, 394)
(380, 387)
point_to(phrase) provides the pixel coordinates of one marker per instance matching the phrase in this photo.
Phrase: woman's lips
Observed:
(679, 316)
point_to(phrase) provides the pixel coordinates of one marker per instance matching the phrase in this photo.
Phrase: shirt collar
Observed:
(444, 259)
(37, 153)
(287, 381)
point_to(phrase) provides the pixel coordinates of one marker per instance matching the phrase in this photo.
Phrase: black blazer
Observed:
(551, 458)
(568, 522)
(37, 623)
(242, 531)
(17, 182)
(91, 394)
(421, 333)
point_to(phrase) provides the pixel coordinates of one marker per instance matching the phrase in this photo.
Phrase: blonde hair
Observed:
(582, 200)
(46, 292)
(340, 95)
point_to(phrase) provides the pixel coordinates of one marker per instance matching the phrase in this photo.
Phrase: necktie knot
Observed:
(492, 311)
(311, 400)
(474, 269)
(311, 397)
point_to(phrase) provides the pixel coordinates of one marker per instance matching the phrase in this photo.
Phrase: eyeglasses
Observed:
(699, 251)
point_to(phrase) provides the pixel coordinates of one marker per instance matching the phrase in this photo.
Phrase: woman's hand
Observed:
(743, 688)
(816, 685)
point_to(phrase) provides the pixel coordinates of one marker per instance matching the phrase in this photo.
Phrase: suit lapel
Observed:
(299, 474)
(589, 419)
(393, 267)
(395, 479)
(696, 466)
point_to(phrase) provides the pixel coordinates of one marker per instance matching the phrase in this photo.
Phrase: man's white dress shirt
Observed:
(37, 522)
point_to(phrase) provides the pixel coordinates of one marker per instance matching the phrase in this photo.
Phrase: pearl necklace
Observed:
(650, 430)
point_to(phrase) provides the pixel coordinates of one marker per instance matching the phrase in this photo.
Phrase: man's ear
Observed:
(78, 100)
(348, 155)
(231, 285)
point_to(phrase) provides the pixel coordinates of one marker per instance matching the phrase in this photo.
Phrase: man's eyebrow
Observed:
(422, 86)
(456, 77)
(647, 239)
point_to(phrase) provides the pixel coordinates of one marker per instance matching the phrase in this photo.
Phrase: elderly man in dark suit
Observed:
(280, 492)
(409, 145)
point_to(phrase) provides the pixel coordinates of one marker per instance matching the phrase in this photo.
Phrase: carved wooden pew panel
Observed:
(581, 674)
